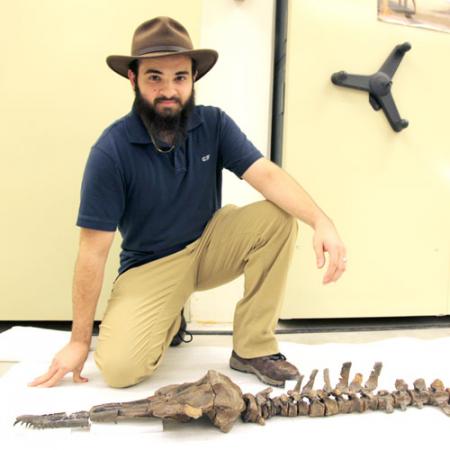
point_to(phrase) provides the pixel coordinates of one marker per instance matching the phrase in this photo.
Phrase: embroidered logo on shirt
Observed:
(205, 158)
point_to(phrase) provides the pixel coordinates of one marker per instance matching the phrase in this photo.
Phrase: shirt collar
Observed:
(137, 133)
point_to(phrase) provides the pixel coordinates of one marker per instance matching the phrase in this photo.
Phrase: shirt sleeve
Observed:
(237, 152)
(102, 197)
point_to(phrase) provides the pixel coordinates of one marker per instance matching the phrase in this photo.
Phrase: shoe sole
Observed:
(247, 368)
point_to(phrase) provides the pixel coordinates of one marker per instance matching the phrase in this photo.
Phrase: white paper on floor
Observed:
(31, 343)
(405, 358)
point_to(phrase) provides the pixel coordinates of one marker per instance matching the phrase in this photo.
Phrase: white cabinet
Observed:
(388, 193)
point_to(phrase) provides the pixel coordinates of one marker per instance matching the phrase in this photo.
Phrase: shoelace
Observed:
(277, 356)
(182, 331)
(182, 336)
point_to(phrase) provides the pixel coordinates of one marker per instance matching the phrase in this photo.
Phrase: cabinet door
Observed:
(388, 193)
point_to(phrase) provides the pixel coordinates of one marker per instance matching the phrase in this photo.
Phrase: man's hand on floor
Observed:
(70, 358)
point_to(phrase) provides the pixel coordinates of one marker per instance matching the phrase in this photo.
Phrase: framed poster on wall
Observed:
(428, 14)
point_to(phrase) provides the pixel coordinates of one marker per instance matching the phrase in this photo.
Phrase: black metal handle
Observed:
(379, 85)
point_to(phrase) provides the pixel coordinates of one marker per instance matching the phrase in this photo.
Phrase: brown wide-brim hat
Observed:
(163, 36)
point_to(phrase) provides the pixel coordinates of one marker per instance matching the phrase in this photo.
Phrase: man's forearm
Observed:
(280, 188)
(87, 285)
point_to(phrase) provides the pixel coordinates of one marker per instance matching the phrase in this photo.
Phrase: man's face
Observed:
(165, 83)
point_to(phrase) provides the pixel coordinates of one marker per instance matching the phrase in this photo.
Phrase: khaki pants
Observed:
(143, 312)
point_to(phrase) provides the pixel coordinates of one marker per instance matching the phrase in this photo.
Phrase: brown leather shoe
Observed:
(271, 369)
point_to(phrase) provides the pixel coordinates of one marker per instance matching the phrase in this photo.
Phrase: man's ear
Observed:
(132, 78)
(194, 76)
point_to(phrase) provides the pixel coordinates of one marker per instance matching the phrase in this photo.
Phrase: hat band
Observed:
(165, 48)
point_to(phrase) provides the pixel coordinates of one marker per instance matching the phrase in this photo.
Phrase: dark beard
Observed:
(165, 126)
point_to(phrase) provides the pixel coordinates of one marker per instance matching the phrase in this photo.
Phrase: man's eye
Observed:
(181, 78)
(154, 78)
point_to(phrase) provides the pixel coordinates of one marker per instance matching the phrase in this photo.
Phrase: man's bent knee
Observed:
(283, 218)
(121, 373)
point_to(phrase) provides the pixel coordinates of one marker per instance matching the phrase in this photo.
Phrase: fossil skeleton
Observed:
(222, 401)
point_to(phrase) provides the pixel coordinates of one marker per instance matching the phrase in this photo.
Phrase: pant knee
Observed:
(278, 216)
(121, 372)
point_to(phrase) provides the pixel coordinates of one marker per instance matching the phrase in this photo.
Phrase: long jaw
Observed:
(79, 419)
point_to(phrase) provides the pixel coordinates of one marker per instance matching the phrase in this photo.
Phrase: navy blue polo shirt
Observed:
(160, 202)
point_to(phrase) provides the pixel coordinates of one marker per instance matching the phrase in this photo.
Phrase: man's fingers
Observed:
(320, 257)
(77, 378)
(332, 267)
(326, 240)
(342, 265)
(337, 274)
(55, 378)
(337, 265)
(43, 378)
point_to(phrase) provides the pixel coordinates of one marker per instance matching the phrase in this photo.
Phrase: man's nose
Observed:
(168, 89)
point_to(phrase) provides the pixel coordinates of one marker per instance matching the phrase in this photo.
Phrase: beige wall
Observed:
(57, 95)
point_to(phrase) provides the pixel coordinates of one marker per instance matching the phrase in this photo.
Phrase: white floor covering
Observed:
(407, 358)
